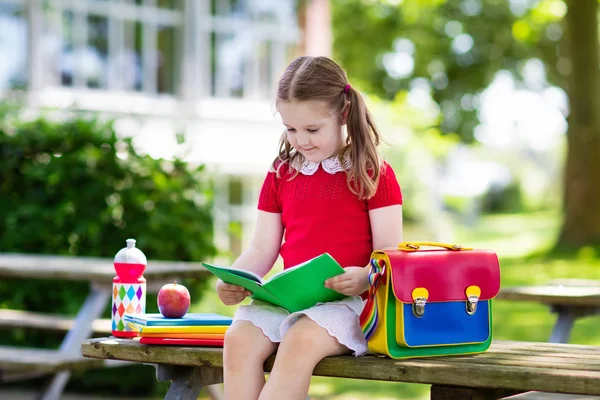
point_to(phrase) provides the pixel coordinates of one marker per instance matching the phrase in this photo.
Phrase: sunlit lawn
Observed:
(514, 238)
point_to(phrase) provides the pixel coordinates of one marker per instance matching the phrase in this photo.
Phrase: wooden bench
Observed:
(550, 396)
(25, 363)
(506, 369)
(49, 322)
(570, 299)
(18, 362)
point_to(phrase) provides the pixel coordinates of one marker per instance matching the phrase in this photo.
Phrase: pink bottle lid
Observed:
(130, 262)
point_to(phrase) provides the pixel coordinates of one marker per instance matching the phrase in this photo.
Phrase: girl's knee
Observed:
(300, 337)
(304, 335)
(306, 338)
(245, 341)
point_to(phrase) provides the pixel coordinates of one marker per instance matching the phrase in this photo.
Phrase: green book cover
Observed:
(295, 288)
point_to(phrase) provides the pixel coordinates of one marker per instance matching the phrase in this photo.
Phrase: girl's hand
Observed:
(354, 281)
(231, 294)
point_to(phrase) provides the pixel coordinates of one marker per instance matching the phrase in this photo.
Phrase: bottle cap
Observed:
(130, 254)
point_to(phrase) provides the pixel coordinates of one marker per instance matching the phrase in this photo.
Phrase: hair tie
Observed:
(347, 88)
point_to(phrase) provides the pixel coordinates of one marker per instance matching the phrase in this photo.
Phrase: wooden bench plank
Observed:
(28, 319)
(16, 361)
(502, 367)
(556, 293)
(550, 396)
(541, 362)
(576, 282)
(93, 269)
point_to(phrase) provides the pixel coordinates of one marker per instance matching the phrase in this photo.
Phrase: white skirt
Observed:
(340, 319)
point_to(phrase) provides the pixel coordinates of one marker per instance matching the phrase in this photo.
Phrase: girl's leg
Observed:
(302, 347)
(244, 353)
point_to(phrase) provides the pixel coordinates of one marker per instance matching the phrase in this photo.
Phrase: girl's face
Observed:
(312, 128)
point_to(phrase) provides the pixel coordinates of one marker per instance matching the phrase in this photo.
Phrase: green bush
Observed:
(75, 188)
(503, 200)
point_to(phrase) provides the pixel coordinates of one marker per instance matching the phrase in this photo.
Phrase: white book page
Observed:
(246, 274)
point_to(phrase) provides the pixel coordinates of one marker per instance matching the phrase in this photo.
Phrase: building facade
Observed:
(206, 68)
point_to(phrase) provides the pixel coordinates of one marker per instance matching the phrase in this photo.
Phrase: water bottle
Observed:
(129, 288)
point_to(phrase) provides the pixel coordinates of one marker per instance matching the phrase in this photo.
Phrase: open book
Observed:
(296, 288)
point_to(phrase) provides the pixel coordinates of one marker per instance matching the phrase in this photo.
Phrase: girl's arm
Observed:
(259, 257)
(386, 227)
(386, 230)
(265, 243)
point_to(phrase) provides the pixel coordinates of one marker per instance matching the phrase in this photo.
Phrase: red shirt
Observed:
(320, 214)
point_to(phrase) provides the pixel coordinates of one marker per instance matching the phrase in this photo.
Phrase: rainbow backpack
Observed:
(435, 302)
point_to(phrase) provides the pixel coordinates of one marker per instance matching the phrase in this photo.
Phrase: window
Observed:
(184, 48)
(249, 45)
(128, 45)
(13, 45)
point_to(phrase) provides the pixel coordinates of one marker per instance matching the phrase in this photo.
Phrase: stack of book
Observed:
(193, 329)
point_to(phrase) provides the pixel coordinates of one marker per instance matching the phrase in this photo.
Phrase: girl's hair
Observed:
(320, 78)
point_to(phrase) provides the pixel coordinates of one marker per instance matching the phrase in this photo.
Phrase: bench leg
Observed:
(563, 326)
(92, 309)
(54, 388)
(440, 392)
(186, 382)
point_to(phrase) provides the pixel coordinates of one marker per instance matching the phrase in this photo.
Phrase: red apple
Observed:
(173, 300)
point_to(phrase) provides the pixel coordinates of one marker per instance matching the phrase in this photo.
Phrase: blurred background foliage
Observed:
(458, 46)
(486, 90)
(75, 182)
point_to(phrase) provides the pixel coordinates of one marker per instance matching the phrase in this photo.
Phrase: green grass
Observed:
(516, 238)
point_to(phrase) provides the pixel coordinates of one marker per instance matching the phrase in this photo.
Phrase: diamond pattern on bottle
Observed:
(122, 292)
(127, 299)
(130, 292)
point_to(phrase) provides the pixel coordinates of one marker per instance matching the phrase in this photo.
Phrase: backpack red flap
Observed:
(446, 274)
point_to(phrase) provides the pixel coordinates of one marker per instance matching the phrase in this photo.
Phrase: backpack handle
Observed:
(414, 246)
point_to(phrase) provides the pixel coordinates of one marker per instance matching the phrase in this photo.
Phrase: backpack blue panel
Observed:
(446, 323)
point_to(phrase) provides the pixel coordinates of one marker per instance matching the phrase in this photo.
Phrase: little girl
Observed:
(327, 191)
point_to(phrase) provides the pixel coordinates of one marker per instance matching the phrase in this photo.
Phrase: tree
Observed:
(582, 181)
(459, 45)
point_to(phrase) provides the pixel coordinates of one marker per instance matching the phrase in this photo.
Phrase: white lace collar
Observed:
(330, 165)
